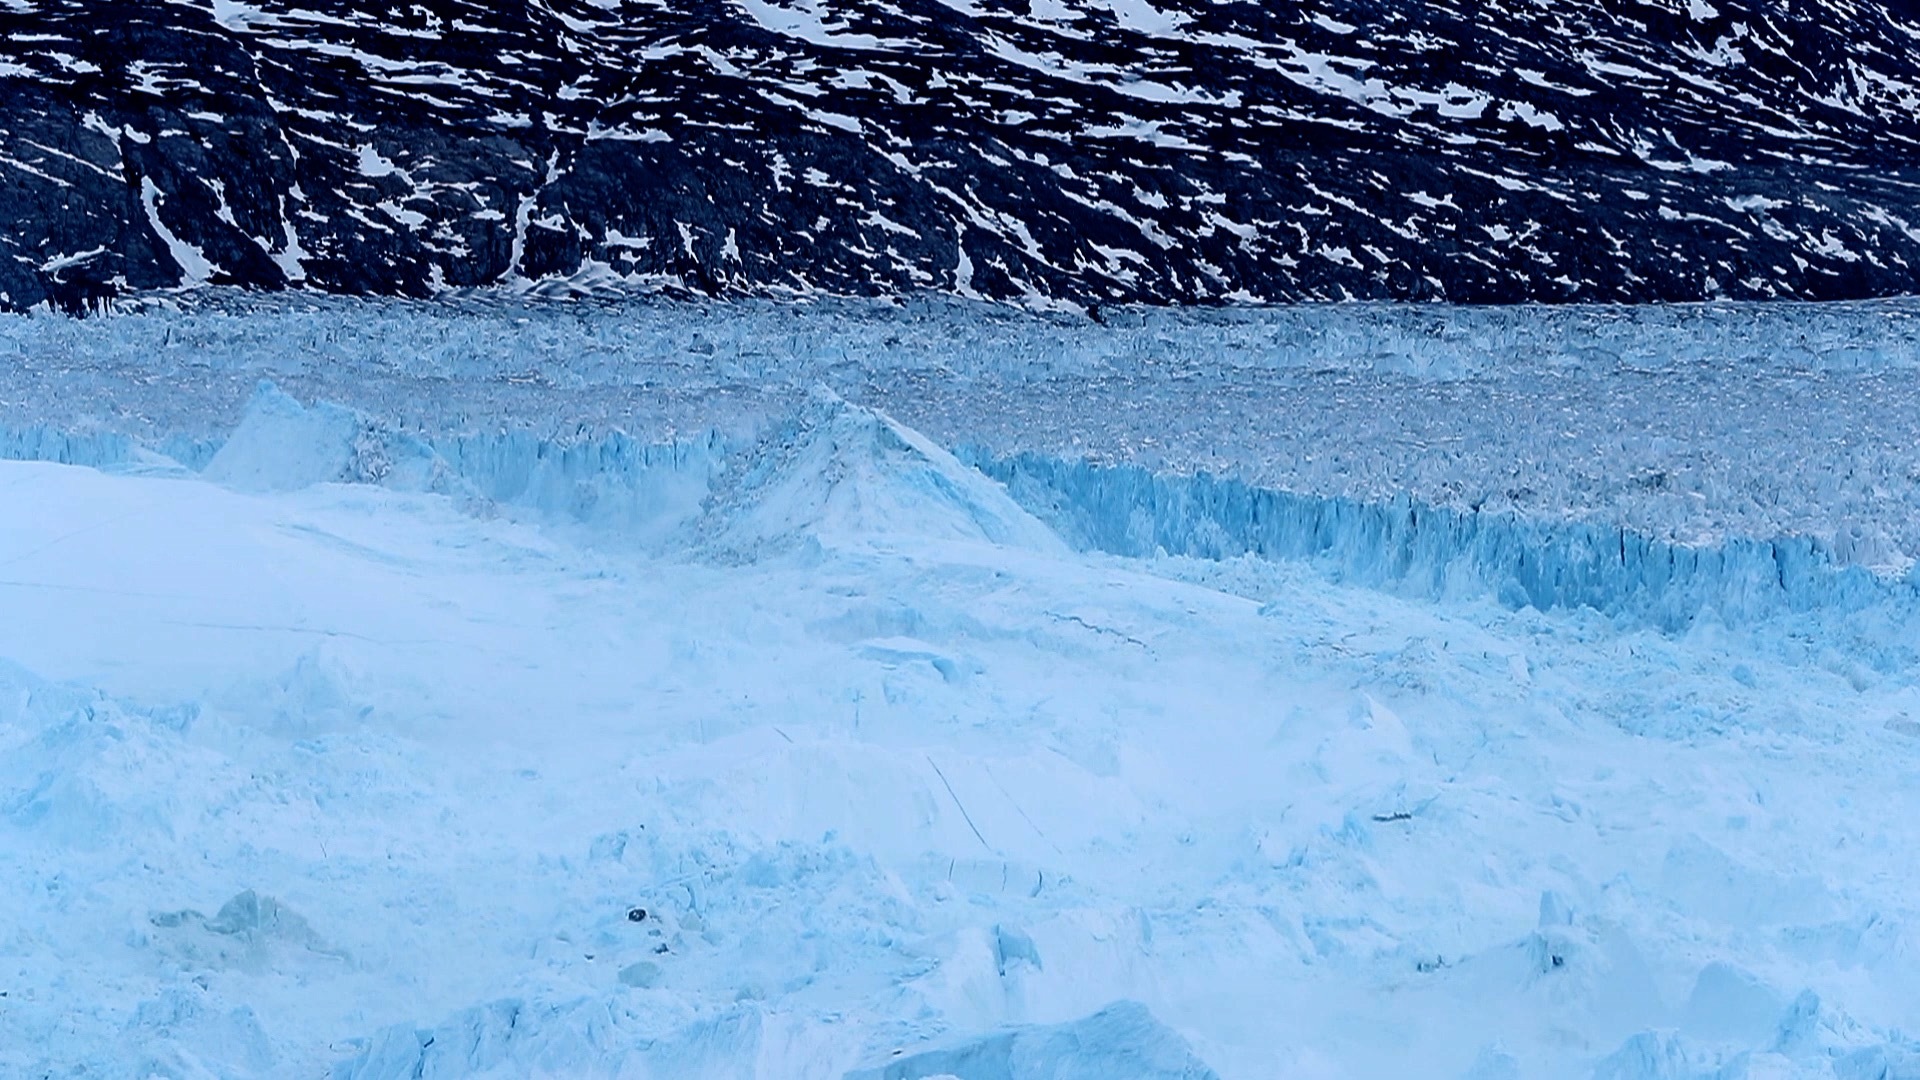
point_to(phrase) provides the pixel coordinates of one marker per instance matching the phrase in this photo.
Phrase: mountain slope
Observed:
(1084, 151)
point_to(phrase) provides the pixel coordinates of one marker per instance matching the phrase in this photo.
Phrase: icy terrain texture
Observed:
(665, 692)
(1693, 424)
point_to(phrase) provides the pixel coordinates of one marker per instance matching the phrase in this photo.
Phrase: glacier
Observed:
(698, 693)
(1689, 423)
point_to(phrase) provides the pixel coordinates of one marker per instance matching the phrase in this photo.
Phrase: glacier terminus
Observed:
(509, 687)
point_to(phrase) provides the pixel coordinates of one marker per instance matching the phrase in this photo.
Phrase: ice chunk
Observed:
(1122, 1040)
(1647, 1056)
(244, 934)
(185, 1033)
(95, 773)
(838, 473)
(588, 1039)
(1731, 1005)
(282, 445)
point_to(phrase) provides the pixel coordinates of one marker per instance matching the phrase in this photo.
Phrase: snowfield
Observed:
(838, 694)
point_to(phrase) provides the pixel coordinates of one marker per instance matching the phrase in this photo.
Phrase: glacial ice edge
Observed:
(1439, 552)
(639, 491)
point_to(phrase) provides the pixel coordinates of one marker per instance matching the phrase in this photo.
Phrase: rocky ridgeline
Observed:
(1070, 152)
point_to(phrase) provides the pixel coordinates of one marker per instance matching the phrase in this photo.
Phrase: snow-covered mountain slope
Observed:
(311, 766)
(1071, 151)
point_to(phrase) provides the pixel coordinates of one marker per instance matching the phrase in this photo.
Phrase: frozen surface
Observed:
(1686, 423)
(479, 700)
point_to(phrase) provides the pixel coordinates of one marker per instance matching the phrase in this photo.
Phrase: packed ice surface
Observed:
(1691, 423)
(722, 725)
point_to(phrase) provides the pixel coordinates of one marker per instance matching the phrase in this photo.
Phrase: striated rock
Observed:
(1077, 153)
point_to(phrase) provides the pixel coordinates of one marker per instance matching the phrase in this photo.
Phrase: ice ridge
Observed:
(594, 1037)
(1123, 1039)
(843, 473)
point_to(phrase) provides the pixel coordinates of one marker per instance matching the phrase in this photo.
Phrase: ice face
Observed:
(1442, 552)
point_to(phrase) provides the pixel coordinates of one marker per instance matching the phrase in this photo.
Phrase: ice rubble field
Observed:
(1520, 694)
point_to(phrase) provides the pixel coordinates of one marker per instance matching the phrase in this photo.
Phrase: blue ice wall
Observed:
(611, 481)
(1439, 552)
(97, 449)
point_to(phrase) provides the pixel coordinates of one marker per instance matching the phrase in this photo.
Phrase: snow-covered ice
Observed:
(1693, 423)
(730, 708)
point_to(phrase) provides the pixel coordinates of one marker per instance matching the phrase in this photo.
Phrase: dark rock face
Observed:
(1085, 151)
